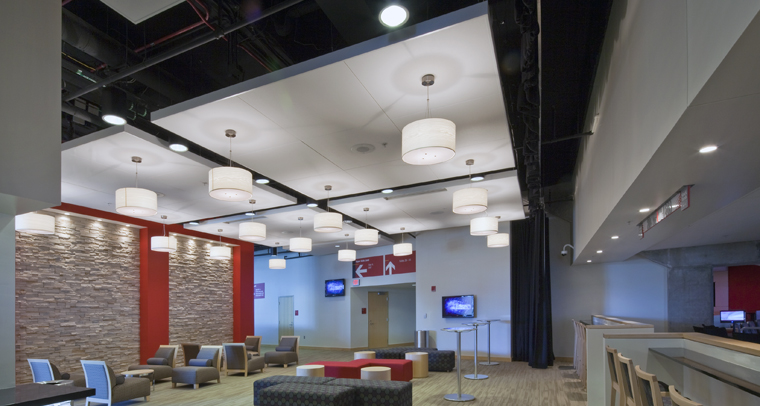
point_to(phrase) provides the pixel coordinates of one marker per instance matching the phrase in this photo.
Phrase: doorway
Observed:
(285, 311)
(377, 309)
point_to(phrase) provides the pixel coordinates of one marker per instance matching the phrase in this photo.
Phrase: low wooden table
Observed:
(311, 370)
(142, 372)
(364, 355)
(376, 373)
(419, 363)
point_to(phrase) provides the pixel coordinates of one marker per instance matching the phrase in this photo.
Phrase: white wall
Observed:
(460, 264)
(635, 289)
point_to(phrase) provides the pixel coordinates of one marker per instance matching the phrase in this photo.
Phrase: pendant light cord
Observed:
(136, 175)
(428, 100)
(230, 152)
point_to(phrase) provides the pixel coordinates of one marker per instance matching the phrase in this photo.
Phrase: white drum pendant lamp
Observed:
(484, 226)
(428, 141)
(403, 249)
(220, 251)
(35, 223)
(498, 240)
(346, 255)
(300, 244)
(366, 236)
(163, 243)
(134, 201)
(251, 230)
(470, 201)
(328, 222)
(229, 183)
(276, 263)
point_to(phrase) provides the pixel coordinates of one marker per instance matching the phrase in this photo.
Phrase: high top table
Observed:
(35, 394)
(489, 341)
(459, 396)
(476, 375)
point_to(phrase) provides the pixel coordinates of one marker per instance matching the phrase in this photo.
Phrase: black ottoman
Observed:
(296, 394)
(264, 383)
(441, 361)
(377, 393)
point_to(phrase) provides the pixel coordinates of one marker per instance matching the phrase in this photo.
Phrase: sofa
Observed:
(162, 363)
(401, 370)
(438, 360)
(285, 353)
(282, 390)
(205, 367)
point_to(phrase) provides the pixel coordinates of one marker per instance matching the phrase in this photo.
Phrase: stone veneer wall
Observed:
(78, 295)
(200, 296)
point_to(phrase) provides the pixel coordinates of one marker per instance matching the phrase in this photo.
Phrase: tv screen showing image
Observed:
(729, 316)
(458, 306)
(335, 287)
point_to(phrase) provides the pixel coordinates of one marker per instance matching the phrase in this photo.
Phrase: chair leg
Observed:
(228, 373)
(285, 366)
(147, 398)
(174, 385)
(196, 386)
(246, 373)
(612, 397)
(218, 380)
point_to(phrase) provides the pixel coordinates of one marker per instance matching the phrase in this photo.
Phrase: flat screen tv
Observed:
(458, 306)
(730, 316)
(335, 287)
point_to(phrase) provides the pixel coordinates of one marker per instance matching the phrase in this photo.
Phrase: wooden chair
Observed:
(100, 377)
(627, 380)
(679, 400)
(649, 388)
(614, 365)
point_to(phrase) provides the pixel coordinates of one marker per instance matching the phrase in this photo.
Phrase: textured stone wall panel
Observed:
(200, 296)
(78, 295)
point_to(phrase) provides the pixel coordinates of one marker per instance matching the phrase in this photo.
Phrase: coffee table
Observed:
(142, 372)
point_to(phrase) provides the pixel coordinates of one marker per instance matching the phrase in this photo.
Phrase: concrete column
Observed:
(690, 292)
(7, 301)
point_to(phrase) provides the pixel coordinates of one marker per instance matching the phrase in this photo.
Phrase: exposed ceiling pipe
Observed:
(204, 39)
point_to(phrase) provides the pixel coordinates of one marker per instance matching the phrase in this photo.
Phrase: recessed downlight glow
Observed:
(115, 120)
(477, 178)
(100, 219)
(615, 237)
(588, 260)
(644, 210)
(66, 214)
(250, 213)
(311, 205)
(393, 16)
(178, 147)
(337, 246)
(599, 252)
(194, 223)
(708, 148)
(262, 181)
(386, 191)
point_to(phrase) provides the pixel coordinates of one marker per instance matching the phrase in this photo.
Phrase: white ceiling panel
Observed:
(342, 184)
(390, 174)
(138, 11)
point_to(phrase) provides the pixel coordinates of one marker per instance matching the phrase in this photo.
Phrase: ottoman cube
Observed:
(441, 361)
(378, 393)
(297, 394)
(264, 383)
(194, 375)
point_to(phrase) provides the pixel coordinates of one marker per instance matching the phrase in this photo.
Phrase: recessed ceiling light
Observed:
(178, 147)
(262, 181)
(599, 252)
(393, 16)
(386, 191)
(644, 210)
(115, 120)
(311, 205)
(337, 246)
(708, 148)
(588, 260)
(67, 214)
(250, 213)
(477, 178)
(194, 223)
(615, 237)
(100, 219)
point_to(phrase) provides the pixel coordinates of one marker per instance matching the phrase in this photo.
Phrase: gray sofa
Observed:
(205, 367)
(162, 363)
(285, 353)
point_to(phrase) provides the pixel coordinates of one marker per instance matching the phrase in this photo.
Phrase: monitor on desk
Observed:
(731, 316)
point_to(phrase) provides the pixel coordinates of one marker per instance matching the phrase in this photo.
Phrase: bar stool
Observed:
(614, 365)
(459, 396)
(476, 375)
(489, 341)
(680, 400)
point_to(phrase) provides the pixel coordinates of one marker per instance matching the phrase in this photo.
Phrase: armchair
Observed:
(253, 345)
(190, 351)
(162, 363)
(238, 360)
(205, 367)
(44, 370)
(102, 378)
(285, 353)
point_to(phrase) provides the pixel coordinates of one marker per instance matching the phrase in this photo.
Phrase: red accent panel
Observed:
(242, 292)
(154, 295)
(743, 285)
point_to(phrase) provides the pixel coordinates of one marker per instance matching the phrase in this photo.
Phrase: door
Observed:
(378, 319)
(285, 316)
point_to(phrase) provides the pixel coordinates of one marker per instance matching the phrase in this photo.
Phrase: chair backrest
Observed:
(678, 400)
(97, 377)
(614, 365)
(253, 341)
(216, 360)
(236, 355)
(298, 342)
(628, 381)
(649, 388)
(173, 359)
(190, 351)
(41, 370)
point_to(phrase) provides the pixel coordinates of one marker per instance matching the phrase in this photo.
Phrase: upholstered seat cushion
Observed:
(130, 389)
(296, 394)
(278, 379)
(159, 371)
(280, 357)
(371, 392)
(79, 379)
(255, 363)
(287, 344)
(194, 375)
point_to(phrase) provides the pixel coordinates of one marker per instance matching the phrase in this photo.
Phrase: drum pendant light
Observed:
(428, 141)
(484, 226)
(300, 244)
(251, 230)
(274, 262)
(470, 200)
(163, 243)
(134, 201)
(229, 183)
(365, 236)
(35, 223)
(498, 240)
(220, 252)
(403, 249)
(346, 255)
(328, 222)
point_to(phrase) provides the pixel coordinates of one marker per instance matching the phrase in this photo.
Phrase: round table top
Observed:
(458, 329)
(310, 366)
(489, 321)
(376, 369)
(138, 372)
(476, 323)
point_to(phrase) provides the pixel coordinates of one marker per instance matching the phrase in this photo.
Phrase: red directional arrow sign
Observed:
(397, 265)
(372, 266)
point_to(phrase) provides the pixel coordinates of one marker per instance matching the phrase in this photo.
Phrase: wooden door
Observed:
(377, 308)
(285, 316)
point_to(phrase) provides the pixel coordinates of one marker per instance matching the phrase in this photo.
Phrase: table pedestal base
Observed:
(478, 376)
(489, 363)
(457, 398)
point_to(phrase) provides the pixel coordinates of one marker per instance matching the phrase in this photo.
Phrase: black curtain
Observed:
(531, 291)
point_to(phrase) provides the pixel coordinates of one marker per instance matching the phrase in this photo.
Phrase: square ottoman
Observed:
(264, 383)
(378, 393)
(297, 394)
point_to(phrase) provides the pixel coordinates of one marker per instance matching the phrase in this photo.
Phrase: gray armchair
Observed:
(44, 370)
(253, 345)
(108, 388)
(285, 353)
(162, 363)
(238, 360)
(203, 368)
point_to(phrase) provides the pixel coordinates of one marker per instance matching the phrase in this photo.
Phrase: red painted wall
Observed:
(744, 288)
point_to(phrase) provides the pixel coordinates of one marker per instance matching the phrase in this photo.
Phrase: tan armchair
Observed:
(239, 360)
(253, 345)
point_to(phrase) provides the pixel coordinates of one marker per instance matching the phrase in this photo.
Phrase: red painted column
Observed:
(242, 292)
(154, 294)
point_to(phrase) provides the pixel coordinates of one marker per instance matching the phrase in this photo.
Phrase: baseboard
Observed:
(306, 347)
(563, 359)
(354, 348)
(401, 345)
(484, 359)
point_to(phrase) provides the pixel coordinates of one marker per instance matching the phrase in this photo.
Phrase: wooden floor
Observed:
(509, 383)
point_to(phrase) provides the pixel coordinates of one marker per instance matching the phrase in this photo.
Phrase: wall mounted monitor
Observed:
(458, 306)
(730, 316)
(335, 287)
